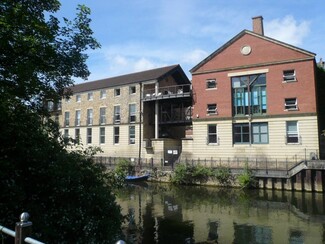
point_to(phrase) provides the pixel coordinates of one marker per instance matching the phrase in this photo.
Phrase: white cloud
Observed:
(194, 57)
(287, 30)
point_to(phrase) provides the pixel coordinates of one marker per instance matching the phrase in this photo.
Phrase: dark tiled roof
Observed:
(153, 74)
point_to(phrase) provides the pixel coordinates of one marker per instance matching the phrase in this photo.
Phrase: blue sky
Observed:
(137, 35)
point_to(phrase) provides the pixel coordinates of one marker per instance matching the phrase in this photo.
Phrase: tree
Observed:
(66, 194)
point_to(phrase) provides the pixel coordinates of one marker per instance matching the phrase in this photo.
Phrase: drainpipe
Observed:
(140, 124)
(156, 111)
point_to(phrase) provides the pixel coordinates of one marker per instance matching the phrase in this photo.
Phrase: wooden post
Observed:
(23, 228)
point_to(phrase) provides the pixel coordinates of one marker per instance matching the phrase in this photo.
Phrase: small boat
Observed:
(137, 178)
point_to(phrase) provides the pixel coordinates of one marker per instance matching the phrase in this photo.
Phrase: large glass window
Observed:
(132, 134)
(249, 94)
(132, 113)
(292, 132)
(241, 133)
(116, 135)
(258, 133)
(212, 134)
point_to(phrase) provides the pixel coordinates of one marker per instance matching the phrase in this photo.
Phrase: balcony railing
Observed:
(167, 92)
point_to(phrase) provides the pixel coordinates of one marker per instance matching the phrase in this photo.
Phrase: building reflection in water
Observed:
(168, 214)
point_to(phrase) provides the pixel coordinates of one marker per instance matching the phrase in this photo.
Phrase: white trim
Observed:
(249, 72)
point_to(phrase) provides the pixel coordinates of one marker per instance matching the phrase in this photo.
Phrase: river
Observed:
(163, 213)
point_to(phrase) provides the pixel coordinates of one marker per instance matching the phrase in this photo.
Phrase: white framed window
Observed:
(132, 90)
(77, 134)
(211, 84)
(89, 135)
(89, 116)
(102, 135)
(66, 133)
(102, 116)
(117, 92)
(212, 109)
(117, 114)
(78, 118)
(90, 96)
(116, 138)
(292, 136)
(290, 104)
(102, 94)
(132, 134)
(212, 134)
(66, 118)
(132, 113)
(289, 75)
(78, 98)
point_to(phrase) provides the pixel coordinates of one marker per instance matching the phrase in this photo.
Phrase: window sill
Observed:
(289, 81)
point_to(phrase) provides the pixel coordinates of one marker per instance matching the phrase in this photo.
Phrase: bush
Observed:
(189, 175)
(223, 176)
(247, 179)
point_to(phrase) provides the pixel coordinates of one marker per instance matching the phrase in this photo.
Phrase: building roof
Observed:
(242, 33)
(133, 78)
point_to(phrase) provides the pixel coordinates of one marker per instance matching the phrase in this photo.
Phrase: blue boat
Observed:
(136, 178)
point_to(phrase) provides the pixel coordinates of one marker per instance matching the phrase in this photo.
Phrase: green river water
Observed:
(163, 213)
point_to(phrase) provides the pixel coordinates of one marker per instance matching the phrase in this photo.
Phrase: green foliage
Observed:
(223, 176)
(247, 179)
(188, 175)
(67, 195)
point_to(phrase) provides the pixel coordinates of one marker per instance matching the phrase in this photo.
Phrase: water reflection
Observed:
(161, 213)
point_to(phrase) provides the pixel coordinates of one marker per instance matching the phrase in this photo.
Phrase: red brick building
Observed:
(254, 98)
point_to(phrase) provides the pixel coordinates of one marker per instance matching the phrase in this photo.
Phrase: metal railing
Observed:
(22, 230)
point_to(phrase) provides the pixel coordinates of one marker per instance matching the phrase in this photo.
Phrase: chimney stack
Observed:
(258, 25)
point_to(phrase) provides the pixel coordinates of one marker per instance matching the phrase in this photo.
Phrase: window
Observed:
(132, 134)
(77, 134)
(260, 134)
(249, 94)
(212, 134)
(132, 90)
(78, 118)
(89, 135)
(289, 75)
(132, 113)
(211, 83)
(212, 109)
(102, 114)
(78, 98)
(241, 133)
(102, 135)
(89, 116)
(67, 99)
(116, 135)
(117, 114)
(66, 133)
(117, 92)
(90, 96)
(103, 94)
(290, 104)
(292, 132)
(67, 118)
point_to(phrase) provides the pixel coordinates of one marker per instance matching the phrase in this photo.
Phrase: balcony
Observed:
(167, 92)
